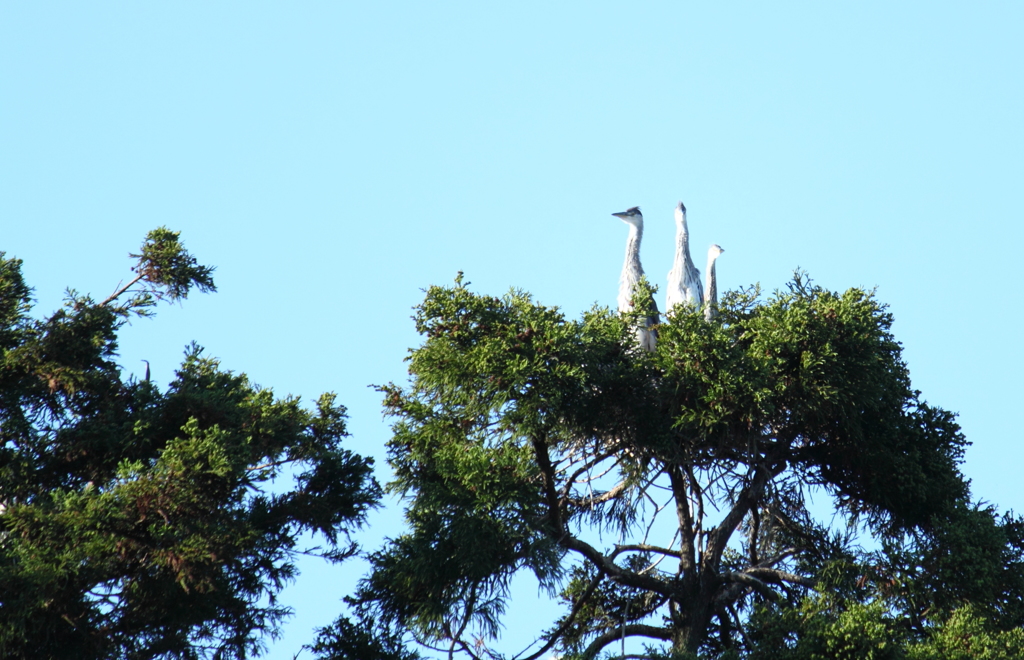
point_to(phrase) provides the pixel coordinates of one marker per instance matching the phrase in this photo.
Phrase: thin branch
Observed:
(616, 633)
(654, 564)
(747, 498)
(603, 497)
(698, 499)
(643, 547)
(778, 577)
(610, 568)
(470, 604)
(750, 581)
(586, 466)
(262, 466)
(755, 528)
(657, 510)
(117, 293)
(785, 554)
(739, 625)
(569, 619)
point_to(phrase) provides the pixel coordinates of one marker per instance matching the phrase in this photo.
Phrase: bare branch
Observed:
(616, 573)
(747, 498)
(687, 552)
(569, 619)
(540, 448)
(588, 465)
(750, 581)
(629, 630)
(657, 510)
(739, 627)
(755, 528)
(782, 556)
(777, 576)
(643, 547)
(114, 296)
(598, 499)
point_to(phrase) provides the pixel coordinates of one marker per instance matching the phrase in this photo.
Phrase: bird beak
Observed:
(619, 215)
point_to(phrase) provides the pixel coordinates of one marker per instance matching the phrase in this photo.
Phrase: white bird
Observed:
(711, 290)
(684, 278)
(632, 271)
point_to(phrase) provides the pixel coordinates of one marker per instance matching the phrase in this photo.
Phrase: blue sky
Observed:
(334, 159)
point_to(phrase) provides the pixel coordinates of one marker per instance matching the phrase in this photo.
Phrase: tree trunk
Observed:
(694, 613)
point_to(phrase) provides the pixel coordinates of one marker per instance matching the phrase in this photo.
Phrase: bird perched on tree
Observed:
(146, 379)
(711, 291)
(684, 278)
(632, 271)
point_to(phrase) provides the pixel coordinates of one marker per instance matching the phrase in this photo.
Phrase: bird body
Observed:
(632, 271)
(684, 278)
(711, 290)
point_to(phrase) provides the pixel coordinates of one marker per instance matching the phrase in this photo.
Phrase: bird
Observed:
(632, 271)
(146, 379)
(711, 290)
(684, 278)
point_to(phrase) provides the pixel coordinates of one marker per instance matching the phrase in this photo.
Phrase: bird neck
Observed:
(633, 248)
(711, 290)
(682, 242)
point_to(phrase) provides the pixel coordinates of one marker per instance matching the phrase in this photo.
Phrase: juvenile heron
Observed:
(632, 271)
(711, 292)
(684, 278)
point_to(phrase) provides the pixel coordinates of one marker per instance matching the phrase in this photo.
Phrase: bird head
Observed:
(631, 216)
(714, 251)
(680, 214)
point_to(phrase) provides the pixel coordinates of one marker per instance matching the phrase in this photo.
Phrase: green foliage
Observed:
(344, 640)
(524, 437)
(165, 270)
(949, 590)
(826, 627)
(823, 370)
(142, 523)
(968, 635)
(968, 556)
(859, 632)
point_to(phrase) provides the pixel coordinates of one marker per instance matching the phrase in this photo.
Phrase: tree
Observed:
(140, 523)
(952, 590)
(525, 440)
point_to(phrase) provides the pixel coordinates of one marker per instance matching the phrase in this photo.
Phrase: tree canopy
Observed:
(140, 522)
(764, 485)
(526, 440)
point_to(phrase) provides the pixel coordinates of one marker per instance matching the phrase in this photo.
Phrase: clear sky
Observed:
(333, 159)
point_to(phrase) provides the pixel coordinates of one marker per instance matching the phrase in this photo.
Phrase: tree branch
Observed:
(755, 528)
(618, 632)
(603, 497)
(547, 471)
(785, 554)
(777, 576)
(720, 535)
(117, 293)
(569, 619)
(643, 547)
(750, 581)
(687, 552)
(616, 573)
(586, 466)
(752, 578)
